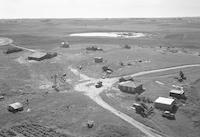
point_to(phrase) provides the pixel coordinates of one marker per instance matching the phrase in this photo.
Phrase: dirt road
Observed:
(89, 89)
(6, 41)
(31, 50)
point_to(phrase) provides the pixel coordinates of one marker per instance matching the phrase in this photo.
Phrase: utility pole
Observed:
(55, 86)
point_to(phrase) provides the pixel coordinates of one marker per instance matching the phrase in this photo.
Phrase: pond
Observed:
(110, 34)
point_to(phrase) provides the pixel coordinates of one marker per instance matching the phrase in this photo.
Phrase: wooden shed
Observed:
(131, 87)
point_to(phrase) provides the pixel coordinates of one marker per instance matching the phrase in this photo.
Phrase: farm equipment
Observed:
(65, 44)
(90, 124)
(107, 70)
(181, 76)
(98, 84)
(143, 109)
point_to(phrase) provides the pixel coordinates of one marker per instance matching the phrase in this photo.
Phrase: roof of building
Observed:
(164, 100)
(16, 105)
(130, 84)
(98, 58)
(175, 91)
(127, 77)
(38, 54)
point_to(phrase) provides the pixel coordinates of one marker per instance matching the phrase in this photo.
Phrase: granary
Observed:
(131, 87)
(164, 103)
(177, 93)
(98, 59)
(15, 107)
(38, 56)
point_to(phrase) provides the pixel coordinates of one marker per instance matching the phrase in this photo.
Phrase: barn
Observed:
(131, 87)
(163, 103)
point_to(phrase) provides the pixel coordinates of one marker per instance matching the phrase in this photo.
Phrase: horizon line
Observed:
(85, 18)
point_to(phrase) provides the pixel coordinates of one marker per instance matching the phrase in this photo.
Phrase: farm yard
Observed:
(66, 74)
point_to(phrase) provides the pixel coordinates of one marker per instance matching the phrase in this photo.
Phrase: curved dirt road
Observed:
(89, 89)
(6, 41)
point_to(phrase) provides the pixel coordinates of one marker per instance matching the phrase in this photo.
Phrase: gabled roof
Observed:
(175, 91)
(16, 105)
(130, 84)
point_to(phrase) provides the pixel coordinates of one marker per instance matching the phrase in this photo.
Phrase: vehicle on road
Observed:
(98, 84)
(168, 115)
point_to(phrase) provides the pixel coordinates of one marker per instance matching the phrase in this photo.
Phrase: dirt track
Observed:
(6, 41)
(93, 93)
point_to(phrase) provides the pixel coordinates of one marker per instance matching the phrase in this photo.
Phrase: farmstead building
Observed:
(164, 103)
(131, 87)
(177, 93)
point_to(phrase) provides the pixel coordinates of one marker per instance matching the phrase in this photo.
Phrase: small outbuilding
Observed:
(131, 87)
(15, 107)
(177, 93)
(163, 103)
(98, 59)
